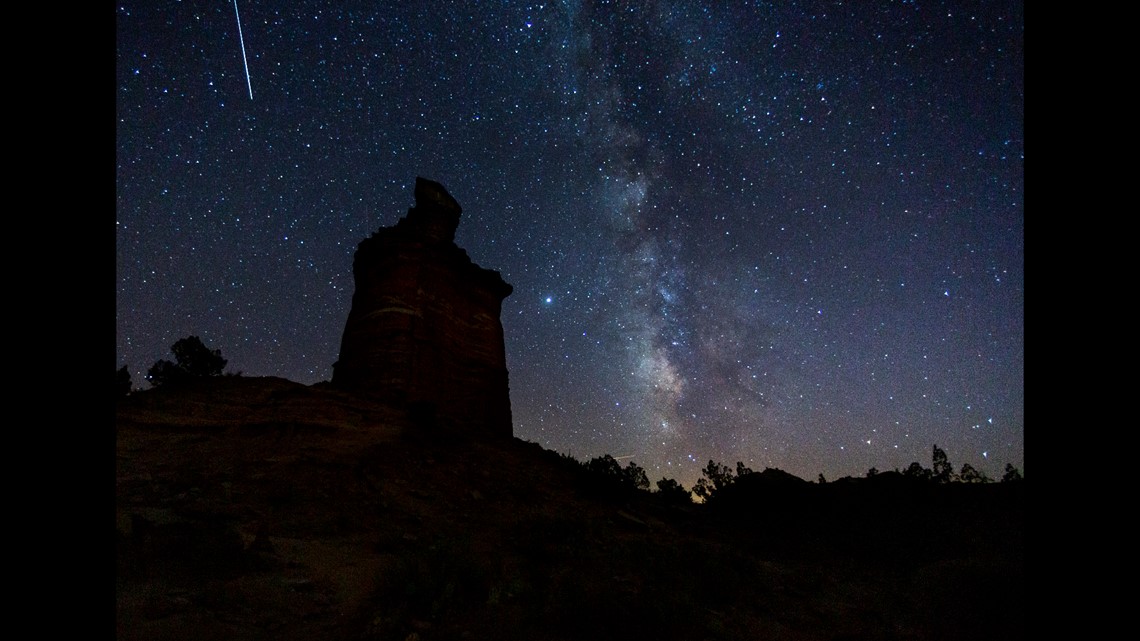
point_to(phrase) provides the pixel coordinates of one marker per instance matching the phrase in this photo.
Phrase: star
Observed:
(700, 195)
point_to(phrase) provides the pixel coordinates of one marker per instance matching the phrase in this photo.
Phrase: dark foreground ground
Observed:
(258, 508)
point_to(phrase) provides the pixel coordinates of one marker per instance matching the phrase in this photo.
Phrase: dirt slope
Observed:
(258, 508)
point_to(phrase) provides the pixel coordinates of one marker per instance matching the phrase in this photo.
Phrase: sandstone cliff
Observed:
(424, 331)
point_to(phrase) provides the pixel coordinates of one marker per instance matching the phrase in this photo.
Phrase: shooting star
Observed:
(244, 61)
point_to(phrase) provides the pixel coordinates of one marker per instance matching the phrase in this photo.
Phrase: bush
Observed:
(606, 475)
(917, 471)
(671, 491)
(193, 360)
(197, 359)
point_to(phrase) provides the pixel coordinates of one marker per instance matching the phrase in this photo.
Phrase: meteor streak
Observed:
(244, 61)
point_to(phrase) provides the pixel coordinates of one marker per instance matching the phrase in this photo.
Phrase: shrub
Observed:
(193, 360)
(671, 491)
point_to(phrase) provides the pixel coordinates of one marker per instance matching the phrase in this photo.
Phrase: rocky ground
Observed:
(259, 508)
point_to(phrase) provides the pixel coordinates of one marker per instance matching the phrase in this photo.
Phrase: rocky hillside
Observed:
(259, 508)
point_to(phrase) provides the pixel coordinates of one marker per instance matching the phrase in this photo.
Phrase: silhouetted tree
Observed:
(164, 372)
(1011, 474)
(741, 470)
(193, 360)
(607, 471)
(123, 384)
(821, 480)
(719, 475)
(703, 489)
(715, 477)
(634, 476)
(970, 475)
(673, 492)
(943, 472)
(605, 466)
(197, 359)
(871, 472)
(916, 470)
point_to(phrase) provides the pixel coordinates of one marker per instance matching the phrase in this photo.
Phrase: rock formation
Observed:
(424, 331)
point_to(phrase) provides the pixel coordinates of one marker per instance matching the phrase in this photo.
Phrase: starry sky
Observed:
(783, 233)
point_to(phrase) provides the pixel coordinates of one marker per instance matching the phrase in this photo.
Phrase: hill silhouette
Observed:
(392, 503)
(260, 508)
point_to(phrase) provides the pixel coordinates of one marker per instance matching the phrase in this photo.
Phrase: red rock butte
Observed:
(424, 331)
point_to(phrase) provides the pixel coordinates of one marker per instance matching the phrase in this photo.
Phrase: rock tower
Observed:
(424, 329)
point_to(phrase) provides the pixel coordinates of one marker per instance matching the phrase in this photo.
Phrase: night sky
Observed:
(783, 233)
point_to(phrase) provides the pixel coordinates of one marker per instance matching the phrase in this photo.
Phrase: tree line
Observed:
(607, 474)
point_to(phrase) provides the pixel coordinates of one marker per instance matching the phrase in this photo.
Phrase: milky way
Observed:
(783, 234)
